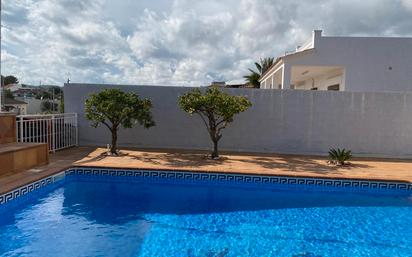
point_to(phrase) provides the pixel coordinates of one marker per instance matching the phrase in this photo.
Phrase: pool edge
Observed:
(211, 176)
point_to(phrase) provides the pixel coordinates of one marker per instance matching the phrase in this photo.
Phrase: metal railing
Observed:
(59, 131)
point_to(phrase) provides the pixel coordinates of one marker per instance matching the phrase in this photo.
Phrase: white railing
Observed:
(59, 131)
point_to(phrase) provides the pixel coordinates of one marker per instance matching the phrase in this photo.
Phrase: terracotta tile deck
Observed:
(268, 164)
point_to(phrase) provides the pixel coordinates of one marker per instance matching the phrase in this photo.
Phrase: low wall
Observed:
(22, 156)
(280, 121)
(7, 128)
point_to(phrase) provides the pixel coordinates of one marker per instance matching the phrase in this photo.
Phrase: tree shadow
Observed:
(94, 158)
(179, 159)
(267, 163)
(299, 163)
(255, 163)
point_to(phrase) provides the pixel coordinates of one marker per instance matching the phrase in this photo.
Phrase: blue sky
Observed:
(175, 42)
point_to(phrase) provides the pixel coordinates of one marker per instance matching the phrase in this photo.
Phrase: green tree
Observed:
(216, 108)
(253, 78)
(10, 80)
(48, 106)
(50, 92)
(114, 108)
(43, 94)
(61, 105)
(262, 67)
(8, 94)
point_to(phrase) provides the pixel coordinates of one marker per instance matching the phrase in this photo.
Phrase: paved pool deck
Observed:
(247, 163)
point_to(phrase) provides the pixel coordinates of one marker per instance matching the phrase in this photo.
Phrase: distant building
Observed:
(345, 64)
(218, 84)
(13, 105)
(36, 106)
(231, 85)
(12, 87)
(242, 85)
(26, 92)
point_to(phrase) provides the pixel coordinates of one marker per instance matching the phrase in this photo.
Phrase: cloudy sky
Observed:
(174, 42)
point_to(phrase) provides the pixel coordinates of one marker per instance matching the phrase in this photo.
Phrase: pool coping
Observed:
(242, 173)
(216, 176)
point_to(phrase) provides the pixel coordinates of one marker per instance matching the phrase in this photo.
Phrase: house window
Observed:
(334, 87)
(314, 88)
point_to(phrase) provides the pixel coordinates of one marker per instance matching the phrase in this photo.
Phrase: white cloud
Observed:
(178, 42)
(407, 4)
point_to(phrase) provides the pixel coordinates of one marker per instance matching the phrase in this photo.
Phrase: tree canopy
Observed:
(262, 67)
(8, 94)
(216, 109)
(10, 80)
(114, 108)
(48, 106)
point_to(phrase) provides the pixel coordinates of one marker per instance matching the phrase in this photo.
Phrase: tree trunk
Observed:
(113, 148)
(215, 153)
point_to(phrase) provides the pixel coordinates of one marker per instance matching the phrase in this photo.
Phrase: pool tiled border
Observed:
(36, 185)
(209, 177)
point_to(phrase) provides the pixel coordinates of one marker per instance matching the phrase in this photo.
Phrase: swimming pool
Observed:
(115, 213)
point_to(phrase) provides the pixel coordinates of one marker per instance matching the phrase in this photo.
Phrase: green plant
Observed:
(61, 105)
(114, 108)
(262, 67)
(9, 80)
(339, 156)
(216, 108)
(8, 94)
(48, 106)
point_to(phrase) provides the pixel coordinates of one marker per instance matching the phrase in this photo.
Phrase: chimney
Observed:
(317, 34)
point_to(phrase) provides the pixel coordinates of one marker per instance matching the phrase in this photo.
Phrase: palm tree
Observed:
(262, 67)
(253, 78)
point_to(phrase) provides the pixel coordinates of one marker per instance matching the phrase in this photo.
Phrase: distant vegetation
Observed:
(10, 79)
(114, 108)
(49, 94)
(8, 94)
(262, 67)
(48, 106)
(216, 109)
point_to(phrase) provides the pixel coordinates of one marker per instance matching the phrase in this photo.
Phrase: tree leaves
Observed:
(216, 108)
(114, 108)
(262, 67)
(214, 103)
(339, 156)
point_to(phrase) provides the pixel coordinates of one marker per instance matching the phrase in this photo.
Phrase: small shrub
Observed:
(339, 156)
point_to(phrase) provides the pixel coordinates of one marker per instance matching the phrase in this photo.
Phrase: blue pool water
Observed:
(121, 218)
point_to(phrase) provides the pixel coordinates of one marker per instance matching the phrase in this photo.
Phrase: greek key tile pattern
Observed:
(220, 178)
(24, 190)
(207, 178)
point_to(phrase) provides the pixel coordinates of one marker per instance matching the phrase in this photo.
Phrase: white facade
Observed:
(346, 64)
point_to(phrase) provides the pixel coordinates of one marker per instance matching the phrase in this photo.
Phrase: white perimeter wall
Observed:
(282, 121)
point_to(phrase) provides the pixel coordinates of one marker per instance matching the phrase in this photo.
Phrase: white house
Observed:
(344, 63)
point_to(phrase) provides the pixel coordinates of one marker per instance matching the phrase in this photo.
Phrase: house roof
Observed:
(244, 85)
(13, 101)
(271, 67)
(279, 59)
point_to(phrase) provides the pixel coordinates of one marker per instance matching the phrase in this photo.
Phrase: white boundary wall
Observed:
(280, 121)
